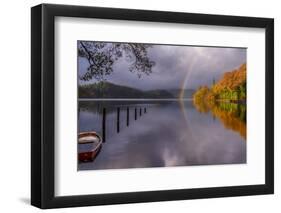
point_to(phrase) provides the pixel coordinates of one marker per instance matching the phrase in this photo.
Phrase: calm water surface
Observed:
(170, 133)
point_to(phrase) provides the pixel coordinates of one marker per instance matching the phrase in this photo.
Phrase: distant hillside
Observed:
(110, 90)
(188, 93)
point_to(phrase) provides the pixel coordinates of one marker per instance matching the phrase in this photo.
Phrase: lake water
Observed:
(163, 133)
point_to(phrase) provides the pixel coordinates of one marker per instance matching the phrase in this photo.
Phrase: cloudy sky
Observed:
(176, 66)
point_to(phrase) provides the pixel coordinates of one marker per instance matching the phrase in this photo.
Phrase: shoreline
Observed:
(243, 101)
(134, 99)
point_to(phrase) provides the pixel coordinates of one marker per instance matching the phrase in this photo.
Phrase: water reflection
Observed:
(163, 136)
(232, 115)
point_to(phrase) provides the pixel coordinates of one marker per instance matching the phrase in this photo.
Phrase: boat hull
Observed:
(88, 156)
(88, 149)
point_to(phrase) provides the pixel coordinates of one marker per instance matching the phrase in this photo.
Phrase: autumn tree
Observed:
(232, 85)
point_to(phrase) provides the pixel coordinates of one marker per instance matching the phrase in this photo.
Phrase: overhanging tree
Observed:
(101, 56)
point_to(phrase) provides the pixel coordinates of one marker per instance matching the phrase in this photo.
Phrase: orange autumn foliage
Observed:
(231, 80)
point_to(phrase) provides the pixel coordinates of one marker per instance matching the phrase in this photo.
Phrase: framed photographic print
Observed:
(139, 106)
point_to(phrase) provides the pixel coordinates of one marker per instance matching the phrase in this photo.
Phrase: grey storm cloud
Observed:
(175, 66)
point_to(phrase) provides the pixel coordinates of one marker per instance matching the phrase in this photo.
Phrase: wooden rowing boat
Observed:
(89, 145)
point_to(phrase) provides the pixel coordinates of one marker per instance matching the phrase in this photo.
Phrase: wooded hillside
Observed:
(110, 90)
(232, 86)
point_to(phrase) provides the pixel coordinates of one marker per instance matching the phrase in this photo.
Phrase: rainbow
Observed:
(198, 53)
(186, 78)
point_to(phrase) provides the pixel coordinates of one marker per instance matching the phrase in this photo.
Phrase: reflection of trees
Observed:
(232, 115)
(101, 57)
(201, 106)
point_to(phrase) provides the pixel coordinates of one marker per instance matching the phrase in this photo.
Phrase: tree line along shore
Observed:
(230, 88)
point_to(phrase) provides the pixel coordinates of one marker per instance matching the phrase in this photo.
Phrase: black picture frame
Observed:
(43, 102)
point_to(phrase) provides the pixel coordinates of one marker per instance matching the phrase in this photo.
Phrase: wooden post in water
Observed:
(103, 123)
(128, 116)
(118, 119)
(140, 111)
(135, 113)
